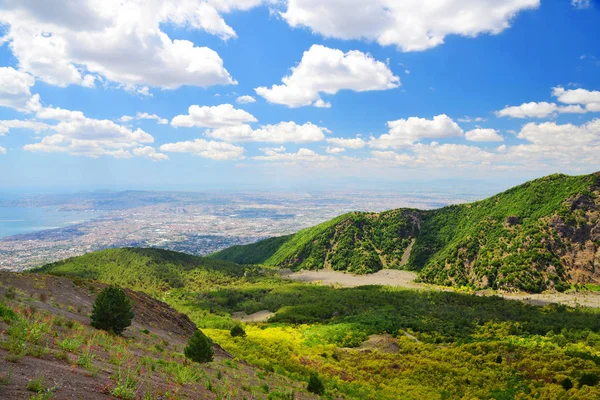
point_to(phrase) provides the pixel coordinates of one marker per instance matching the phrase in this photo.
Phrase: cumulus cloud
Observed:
(150, 152)
(406, 132)
(302, 155)
(589, 98)
(436, 156)
(144, 115)
(410, 25)
(356, 143)
(2, 150)
(206, 149)
(326, 70)
(282, 132)
(579, 101)
(212, 117)
(483, 135)
(36, 126)
(66, 42)
(15, 88)
(245, 99)
(562, 145)
(79, 135)
(334, 150)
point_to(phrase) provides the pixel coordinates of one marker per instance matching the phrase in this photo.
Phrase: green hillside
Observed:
(148, 270)
(539, 235)
(367, 342)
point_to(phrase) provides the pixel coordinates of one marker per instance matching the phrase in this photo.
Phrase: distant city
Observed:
(197, 223)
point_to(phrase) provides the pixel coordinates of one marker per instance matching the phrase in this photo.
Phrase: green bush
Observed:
(315, 384)
(567, 384)
(237, 331)
(199, 348)
(589, 379)
(112, 310)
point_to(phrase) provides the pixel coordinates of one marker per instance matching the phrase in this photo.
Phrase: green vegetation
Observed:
(149, 270)
(386, 343)
(237, 331)
(112, 311)
(525, 238)
(315, 384)
(199, 348)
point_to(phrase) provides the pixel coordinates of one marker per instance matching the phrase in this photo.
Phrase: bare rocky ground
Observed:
(150, 350)
(406, 279)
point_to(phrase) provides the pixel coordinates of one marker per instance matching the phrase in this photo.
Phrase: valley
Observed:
(365, 332)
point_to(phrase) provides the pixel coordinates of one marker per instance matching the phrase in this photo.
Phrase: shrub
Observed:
(199, 348)
(315, 384)
(566, 384)
(237, 331)
(589, 379)
(112, 310)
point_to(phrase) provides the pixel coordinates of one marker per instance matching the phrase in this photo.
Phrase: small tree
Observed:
(199, 348)
(112, 310)
(315, 384)
(237, 330)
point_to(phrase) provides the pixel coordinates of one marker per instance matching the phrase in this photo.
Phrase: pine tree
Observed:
(112, 310)
(199, 348)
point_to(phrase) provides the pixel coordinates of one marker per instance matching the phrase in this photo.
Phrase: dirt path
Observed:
(392, 277)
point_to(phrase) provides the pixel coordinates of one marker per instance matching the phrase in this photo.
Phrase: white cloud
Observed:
(483, 135)
(302, 155)
(405, 132)
(393, 157)
(212, 117)
(207, 149)
(144, 115)
(245, 99)
(15, 88)
(581, 4)
(66, 42)
(7, 125)
(334, 150)
(411, 25)
(567, 135)
(579, 101)
(565, 146)
(282, 132)
(528, 110)
(326, 70)
(78, 135)
(2, 150)
(150, 152)
(589, 98)
(437, 156)
(356, 143)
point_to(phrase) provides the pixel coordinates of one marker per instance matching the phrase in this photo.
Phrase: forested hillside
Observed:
(539, 235)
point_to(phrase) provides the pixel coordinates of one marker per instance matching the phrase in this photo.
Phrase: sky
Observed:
(344, 94)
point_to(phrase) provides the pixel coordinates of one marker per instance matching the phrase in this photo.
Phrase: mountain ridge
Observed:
(543, 234)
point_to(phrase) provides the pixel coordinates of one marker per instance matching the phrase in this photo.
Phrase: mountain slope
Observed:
(539, 235)
(149, 270)
(49, 350)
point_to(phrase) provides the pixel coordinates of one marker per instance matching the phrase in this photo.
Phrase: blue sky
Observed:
(98, 93)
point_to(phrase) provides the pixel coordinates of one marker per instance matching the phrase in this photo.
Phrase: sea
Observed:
(19, 220)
